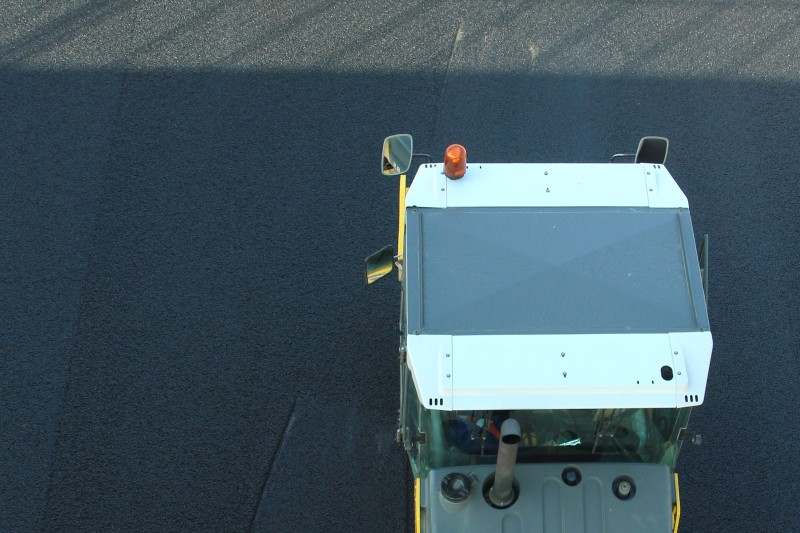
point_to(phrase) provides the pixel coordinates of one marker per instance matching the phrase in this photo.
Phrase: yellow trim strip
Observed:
(401, 231)
(417, 525)
(676, 509)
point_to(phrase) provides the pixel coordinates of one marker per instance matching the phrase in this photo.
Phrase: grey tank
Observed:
(548, 504)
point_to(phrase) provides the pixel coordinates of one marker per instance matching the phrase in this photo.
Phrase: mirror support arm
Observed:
(423, 155)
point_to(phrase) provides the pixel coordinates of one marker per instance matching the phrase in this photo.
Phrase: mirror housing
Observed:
(397, 153)
(652, 150)
(379, 264)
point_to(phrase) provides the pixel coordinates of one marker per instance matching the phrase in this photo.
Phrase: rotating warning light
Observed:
(455, 161)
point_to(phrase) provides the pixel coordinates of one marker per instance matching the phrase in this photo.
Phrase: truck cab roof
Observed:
(553, 286)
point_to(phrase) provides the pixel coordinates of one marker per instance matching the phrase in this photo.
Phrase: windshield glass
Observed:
(627, 435)
(438, 439)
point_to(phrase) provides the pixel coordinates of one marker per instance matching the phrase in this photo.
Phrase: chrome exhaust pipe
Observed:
(502, 492)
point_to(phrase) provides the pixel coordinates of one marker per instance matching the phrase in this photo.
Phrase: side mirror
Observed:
(379, 264)
(652, 150)
(397, 153)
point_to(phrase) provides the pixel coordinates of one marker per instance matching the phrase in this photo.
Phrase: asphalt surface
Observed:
(189, 190)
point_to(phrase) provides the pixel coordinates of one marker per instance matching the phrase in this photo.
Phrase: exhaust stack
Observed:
(502, 492)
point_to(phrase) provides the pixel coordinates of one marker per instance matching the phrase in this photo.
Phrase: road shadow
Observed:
(182, 279)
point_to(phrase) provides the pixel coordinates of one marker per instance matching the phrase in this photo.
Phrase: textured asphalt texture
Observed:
(189, 190)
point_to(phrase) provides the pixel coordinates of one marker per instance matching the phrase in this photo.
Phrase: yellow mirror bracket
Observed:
(676, 508)
(417, 525)
(401, 230)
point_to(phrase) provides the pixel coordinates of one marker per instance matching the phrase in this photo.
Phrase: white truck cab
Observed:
(554, 339)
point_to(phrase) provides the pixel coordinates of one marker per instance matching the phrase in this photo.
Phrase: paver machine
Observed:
(554, 339)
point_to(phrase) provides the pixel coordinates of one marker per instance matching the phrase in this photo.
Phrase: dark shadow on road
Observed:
(185, 336)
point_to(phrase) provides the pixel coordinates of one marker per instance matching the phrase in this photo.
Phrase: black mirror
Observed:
(397, 153)
(379, 264)
(652, 150)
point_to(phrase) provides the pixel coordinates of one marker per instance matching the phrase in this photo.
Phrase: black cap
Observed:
(456, 487)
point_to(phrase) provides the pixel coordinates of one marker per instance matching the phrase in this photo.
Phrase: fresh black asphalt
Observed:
(188, 192)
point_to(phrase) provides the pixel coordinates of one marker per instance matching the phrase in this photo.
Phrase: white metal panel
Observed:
(429, 188)
(528, 371)
(430, 360)
(547, 185)
(662, 190)
(695, 349)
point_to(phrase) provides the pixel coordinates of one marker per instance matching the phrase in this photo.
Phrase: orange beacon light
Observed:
(455, 161)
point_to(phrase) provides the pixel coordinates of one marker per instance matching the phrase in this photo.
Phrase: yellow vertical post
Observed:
(417, 525)
(676, 509)
(401, 230)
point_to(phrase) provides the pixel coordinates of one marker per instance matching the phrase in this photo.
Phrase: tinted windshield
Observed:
(437, 439)
(630, 434)
(626, 435)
